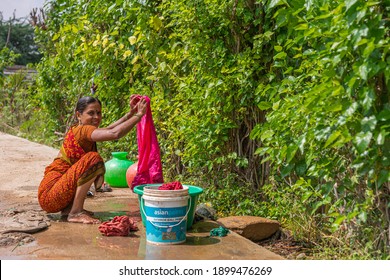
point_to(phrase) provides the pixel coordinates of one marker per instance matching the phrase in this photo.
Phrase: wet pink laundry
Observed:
(149, 161)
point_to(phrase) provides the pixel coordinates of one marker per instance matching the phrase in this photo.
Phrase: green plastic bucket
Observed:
(193, 191)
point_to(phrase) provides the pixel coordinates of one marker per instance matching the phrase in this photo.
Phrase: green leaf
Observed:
(380, 140)
(280, 55)
(384, 115)
(302, 26)
(301, 168)
(291, 151)
(362, 141)
(56, 36)
(363, 71)
(278, 48)
(275, 105)
(302, 142)
(267, 134)
(135, 59)
(286, 170)
(339, 220)
(156, 23)
(352, 215)
(369, 99)
(261, 151)
(335, 107)
(263, 105)
(350, 3)
(371, 46)
(163, 65)
(306, 195)
(384, 176)
(332, 138)
(274, 3)
(126, 54)
(368, 123)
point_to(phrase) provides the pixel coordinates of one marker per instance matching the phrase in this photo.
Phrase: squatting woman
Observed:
(78, 165)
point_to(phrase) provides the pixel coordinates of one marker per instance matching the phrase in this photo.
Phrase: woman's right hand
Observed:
(141, 106)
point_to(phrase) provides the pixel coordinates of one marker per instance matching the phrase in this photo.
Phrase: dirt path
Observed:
(22, 165)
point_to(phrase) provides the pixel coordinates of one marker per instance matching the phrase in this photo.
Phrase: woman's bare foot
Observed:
(83, 218)
(65, 213)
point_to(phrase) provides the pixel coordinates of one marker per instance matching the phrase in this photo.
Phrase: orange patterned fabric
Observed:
(71, 150)
(76, 166)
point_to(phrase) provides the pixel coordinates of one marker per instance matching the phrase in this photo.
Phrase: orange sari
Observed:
(77, 165)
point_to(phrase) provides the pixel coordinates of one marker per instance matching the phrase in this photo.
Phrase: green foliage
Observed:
(8, 88)
(276, 108)
(20, 112)
(327, 109)
(18, 36)
(7, 57)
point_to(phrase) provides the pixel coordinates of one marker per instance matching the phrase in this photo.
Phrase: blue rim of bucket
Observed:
(192, 190)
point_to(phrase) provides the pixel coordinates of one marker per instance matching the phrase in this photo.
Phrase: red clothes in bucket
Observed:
(171, 186)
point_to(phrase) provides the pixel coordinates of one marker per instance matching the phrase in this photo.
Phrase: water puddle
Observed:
(201, 240)
(203, 227)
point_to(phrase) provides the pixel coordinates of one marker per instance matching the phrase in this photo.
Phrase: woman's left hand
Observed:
(134, 99)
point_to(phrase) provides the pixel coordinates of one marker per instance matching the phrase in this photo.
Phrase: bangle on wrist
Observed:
(138, 116)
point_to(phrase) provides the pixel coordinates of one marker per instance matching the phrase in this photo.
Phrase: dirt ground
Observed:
(17, 185)
(283, 244)
(18, 203)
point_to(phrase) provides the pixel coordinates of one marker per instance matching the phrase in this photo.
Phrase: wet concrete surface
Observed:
(70, 241)
(67, 241)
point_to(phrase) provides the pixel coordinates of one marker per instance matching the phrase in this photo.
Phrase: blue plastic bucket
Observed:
(165, 214)
(193, 191)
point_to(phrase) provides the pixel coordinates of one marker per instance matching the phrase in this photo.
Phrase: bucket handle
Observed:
(158, 226)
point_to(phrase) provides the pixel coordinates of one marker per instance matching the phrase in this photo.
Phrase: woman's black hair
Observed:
(83, 102)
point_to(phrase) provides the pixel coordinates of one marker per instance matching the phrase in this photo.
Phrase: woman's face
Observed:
(92, 115)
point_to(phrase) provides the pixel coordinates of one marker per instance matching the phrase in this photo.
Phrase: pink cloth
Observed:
(149, 161)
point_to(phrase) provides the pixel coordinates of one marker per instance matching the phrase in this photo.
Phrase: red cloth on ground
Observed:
(118, 226)
(171, 186)
(149, 161)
